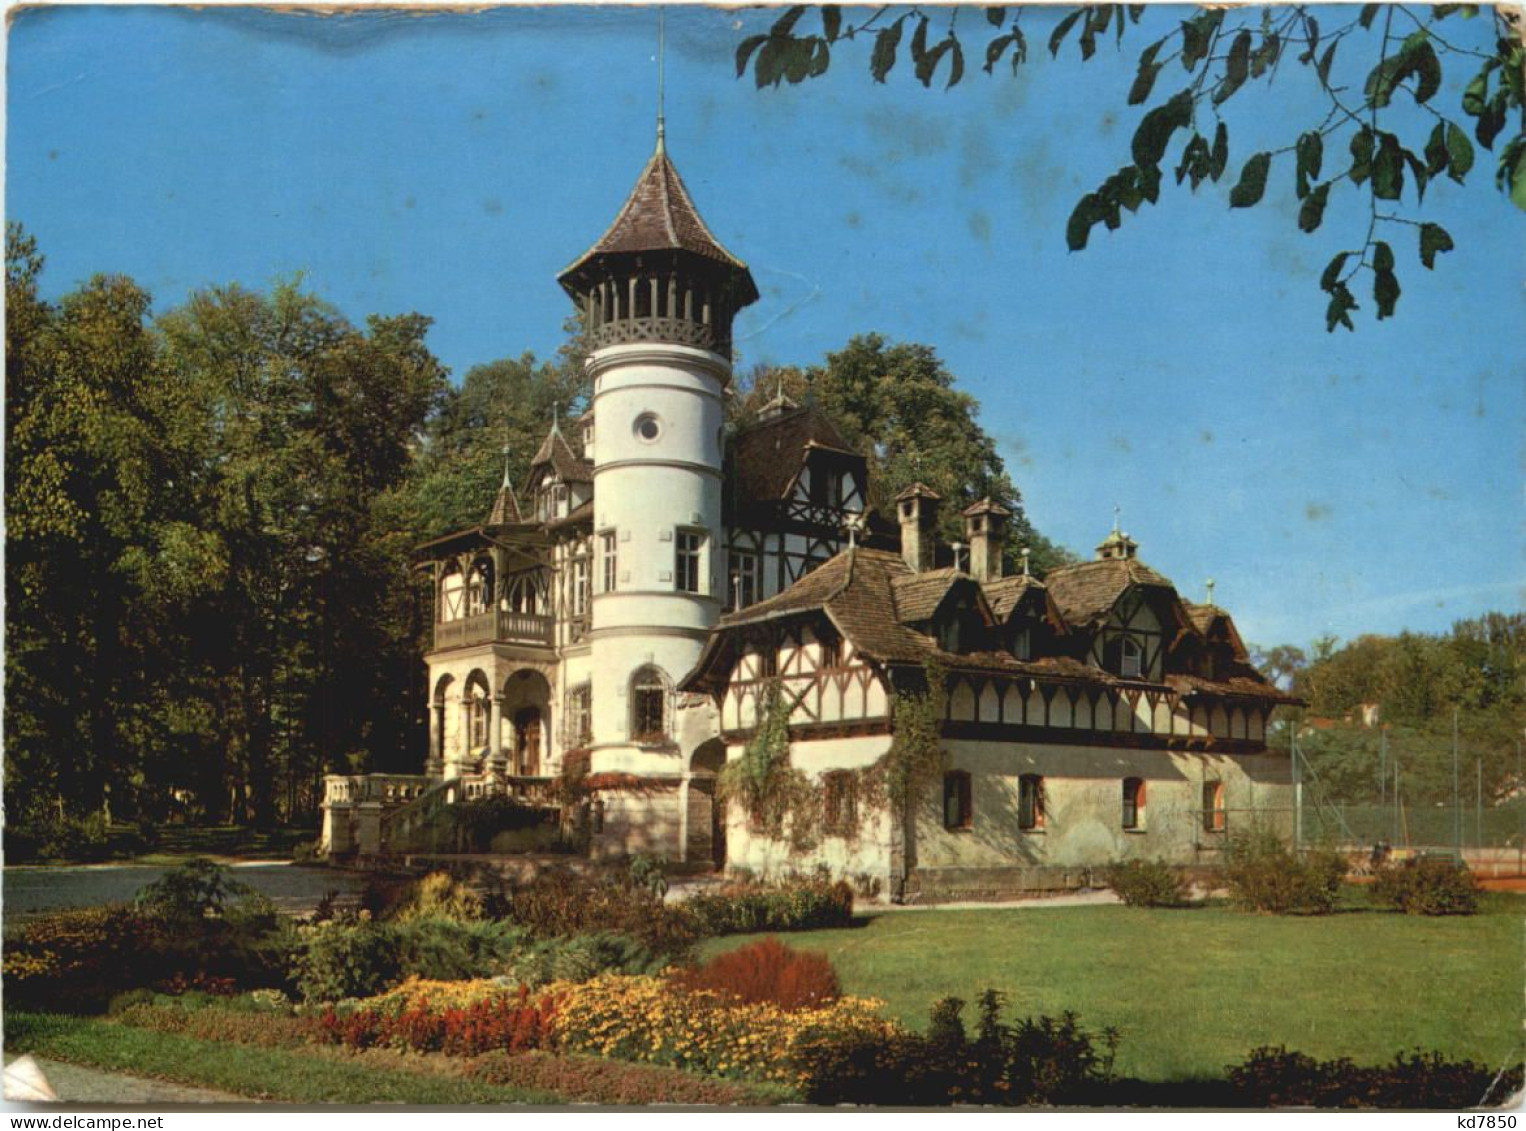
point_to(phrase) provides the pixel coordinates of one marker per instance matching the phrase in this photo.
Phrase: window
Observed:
(609, 551)
(579, 586)
(1030, 802)
(1133, 803)
(1022, 649)
(745, 578)
(957, 813)
(1215, 818)
(452, 595)
(580, 715)
(1131, 659)
(648, 427)
(831, 652)
(688, 561)
(649, 706)
(839, 809)
(826, 487)
(479, 719)
(479, 588)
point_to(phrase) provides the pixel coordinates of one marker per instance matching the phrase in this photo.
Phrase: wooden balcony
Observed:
(496, 626)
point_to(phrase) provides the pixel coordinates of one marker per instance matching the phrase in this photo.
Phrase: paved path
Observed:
(31, 1079)
(35, 890)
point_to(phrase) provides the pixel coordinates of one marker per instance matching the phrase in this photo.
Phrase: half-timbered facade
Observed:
(624, 612)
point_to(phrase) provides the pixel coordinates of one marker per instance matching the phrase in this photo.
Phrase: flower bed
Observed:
(591, 1079)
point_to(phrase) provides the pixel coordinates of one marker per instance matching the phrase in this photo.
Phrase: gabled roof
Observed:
(1005, 593)
(918, 595)
(767, 455)
(1087, 592)
(556, 453)
(659, 215)
(1206, 618)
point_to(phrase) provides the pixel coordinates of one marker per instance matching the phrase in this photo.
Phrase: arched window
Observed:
(839, 804)
(1133, 803)
(452, 595)
(1215, 817)
(1131, 659)
(478, 713)
(649, 706)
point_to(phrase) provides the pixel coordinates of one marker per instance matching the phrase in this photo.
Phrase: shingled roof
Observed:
(659, 215)
(1004, 593)
(505, 507)
(1087, 592)
(918, 595)
(766, 456)
(556, 453)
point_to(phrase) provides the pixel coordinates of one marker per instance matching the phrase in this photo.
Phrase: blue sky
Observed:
(452, 163)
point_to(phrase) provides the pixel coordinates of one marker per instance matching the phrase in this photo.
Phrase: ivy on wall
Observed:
(780, 801)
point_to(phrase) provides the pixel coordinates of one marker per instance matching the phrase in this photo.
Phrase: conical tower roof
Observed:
(659, 216)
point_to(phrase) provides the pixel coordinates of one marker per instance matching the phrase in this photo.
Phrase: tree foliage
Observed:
(201, 607)
(1414, 683)
(898, 404)
(1388, 130)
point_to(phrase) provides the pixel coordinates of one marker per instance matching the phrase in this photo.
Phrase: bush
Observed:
(1265, 874)
(1426, 886)
(1047, 1060)
(79, 960)
(767, 971)
(796, 905)
(1275, 1077)
(554, 906)
(353, 958)
(1148, 883)
(590, 1079)
(577, 958)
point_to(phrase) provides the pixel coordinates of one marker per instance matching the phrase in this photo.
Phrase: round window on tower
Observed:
(648, 427)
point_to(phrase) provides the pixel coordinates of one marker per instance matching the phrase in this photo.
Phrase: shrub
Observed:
(1275, 1077)
(590, 1079)
(767, 971)
(1148, 883)
(563, 905)
(577, 958)
(796, 905)
(1265, 874)
(1043, 1060)
(1426, 886)
(439, 896)
(353, 958)
(80, 959)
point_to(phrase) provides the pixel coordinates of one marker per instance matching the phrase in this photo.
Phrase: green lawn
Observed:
(305, 1076)
(1194, 990)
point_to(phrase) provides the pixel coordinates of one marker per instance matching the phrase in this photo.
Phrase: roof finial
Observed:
(508, 450)
(556, 416)
(1117, 510)
(1210, 584)
(662, 129)
(1026, 553)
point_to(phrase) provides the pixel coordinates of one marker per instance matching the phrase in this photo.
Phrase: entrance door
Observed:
(527, 741)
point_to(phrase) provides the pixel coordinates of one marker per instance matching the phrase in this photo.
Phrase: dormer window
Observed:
(1022, 648)
(1131, 659)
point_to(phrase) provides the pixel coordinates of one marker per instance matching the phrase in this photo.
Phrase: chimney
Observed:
(985, 525)
(917, 507)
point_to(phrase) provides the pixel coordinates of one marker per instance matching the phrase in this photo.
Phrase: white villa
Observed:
(620, 617)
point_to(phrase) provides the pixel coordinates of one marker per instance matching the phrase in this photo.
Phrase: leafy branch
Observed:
(1223, 52)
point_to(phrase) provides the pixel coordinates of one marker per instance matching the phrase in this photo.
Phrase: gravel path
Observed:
(28, 1076)
(32, 891)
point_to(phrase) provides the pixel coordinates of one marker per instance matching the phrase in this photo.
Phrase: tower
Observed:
(658, 293)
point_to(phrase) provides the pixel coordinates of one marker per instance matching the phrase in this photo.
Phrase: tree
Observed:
(898, 405)
(1386, 143)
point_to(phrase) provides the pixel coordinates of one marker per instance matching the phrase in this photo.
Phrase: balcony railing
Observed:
(502, 626)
